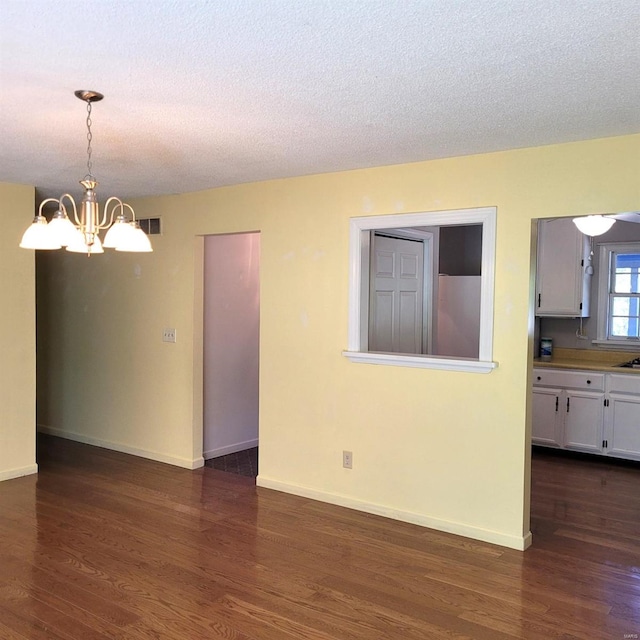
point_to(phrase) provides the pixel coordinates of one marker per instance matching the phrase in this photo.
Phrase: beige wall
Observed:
(17, 335)
(441, 448)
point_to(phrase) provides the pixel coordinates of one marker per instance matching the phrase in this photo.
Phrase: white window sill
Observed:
(421, 362)
(618, 345)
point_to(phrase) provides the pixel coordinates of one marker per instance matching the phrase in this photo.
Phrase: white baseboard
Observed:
(10, 474)
(519, 543)
(185, 463)
(232, 448)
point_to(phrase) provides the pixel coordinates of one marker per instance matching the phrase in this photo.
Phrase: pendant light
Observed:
(81, 234)
(594, 225)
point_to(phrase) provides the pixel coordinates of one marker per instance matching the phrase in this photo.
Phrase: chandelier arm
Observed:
(58, 202)
(73, 203)
(105, 212)
(133, 213)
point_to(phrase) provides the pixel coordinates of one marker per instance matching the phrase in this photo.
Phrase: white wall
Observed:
(231, 342)
(458, 316)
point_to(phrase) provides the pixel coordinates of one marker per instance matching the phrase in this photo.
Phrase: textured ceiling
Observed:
(202, 94)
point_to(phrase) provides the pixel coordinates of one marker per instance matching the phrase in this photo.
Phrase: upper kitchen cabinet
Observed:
(563, 275)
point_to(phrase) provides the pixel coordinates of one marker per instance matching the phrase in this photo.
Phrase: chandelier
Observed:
(81, 235)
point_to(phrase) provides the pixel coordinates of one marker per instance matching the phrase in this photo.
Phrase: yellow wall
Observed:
(445, 449)
(17, 335)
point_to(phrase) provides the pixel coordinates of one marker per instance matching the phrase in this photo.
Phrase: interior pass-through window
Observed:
(421, 290)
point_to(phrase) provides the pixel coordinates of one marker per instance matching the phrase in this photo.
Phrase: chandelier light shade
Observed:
(79, 245)
(63, 230)
(593, 225)
(127, 236)
(136, 241)
(80, 233)
(39, 236)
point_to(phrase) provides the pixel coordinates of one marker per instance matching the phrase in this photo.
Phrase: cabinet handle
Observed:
(557, 400)
(568, 405)
(588, 381)
(538, 378)
(539, 298)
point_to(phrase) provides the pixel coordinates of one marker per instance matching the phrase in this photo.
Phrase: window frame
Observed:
(359, 248)
(604, 293)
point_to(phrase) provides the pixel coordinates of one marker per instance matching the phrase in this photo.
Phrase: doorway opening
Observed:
(231, 345)
(585, 456)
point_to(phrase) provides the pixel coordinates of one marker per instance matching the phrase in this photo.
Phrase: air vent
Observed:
(151, 226)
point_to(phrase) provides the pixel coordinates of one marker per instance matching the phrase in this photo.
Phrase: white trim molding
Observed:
(359, 246)
(185, 463)
(421, 362)
(604, 286)
(520, 543)
(10, 474)
(231, 448)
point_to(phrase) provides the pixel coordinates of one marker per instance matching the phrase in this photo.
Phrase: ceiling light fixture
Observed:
(82, 237)
(593, 225)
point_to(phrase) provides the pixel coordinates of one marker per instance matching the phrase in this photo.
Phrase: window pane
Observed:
(619, 327)
(624, 327)
(625, 316)
(622, 281)
(621, 306)
(626, 273)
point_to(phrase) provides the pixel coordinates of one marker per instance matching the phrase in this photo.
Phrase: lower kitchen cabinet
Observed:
(546, 419)
(589, 412)
(568, 419)
(583, 422)
(622, 433)
(622, 416)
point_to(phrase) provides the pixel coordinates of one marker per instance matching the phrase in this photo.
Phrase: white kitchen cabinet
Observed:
(562, 274)
(587, 411)
(622, 416)
(546, 427)
(622, 432)
(569, 414)
(583, 421)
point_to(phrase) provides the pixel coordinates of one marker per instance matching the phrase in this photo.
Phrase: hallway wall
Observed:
(17, 335)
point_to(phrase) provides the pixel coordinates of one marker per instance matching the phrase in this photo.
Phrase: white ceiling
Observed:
(201, 93)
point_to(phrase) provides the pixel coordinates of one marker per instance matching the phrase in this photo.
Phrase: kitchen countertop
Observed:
(589, 360)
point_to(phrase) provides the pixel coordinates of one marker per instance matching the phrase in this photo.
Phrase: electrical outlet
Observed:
(347, 459)
(169, 335)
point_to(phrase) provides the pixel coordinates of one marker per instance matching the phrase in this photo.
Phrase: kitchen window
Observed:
(619, 294)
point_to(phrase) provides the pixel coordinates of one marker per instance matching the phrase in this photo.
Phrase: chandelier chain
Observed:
(89, 138)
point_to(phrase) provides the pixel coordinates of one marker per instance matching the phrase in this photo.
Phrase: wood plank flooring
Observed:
(104, 545)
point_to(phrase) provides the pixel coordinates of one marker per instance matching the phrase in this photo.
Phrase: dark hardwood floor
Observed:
(105, 545)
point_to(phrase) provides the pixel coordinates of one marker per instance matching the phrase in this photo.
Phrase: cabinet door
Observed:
(583, 421)
(623, 427)
(560, 274)
(545, 417)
